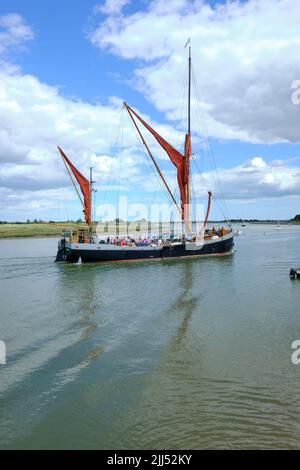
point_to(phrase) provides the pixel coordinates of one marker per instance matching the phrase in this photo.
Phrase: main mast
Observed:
(187, 149)
(189, 94)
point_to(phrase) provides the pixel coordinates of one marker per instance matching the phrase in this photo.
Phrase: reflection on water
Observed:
(186, 304)
(189, 354)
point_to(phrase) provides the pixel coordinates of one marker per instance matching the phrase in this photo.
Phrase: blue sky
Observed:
(87, 56)
(61, 54)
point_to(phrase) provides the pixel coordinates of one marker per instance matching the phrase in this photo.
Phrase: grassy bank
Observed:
(46, 229)
(30, 230)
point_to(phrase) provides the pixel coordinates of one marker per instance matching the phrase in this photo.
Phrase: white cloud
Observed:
(245, 57)
(111, 7)
(35, 118)
(253, 180)
(14, 32)
(256, 162)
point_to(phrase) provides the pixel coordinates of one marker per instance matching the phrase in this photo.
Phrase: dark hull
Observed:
(94, 256)
(217, 248)
(220, 247)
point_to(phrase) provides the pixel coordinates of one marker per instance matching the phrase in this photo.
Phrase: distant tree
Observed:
(296, 218)
(79, 221)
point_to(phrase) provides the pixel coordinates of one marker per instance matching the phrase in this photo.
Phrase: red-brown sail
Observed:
(179, 160)
(84, 186)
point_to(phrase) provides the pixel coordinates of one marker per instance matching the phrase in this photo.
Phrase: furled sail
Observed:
(84, 186)
(208, 208)
(180, 161)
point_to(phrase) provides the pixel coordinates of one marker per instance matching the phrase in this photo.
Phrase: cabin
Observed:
(78, 235)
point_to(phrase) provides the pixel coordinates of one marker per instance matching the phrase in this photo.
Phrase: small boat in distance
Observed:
(81, 243)
(278, 226)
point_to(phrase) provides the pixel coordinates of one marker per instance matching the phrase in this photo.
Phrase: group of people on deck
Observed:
(128, 241)
(219, 232)
(143, 241)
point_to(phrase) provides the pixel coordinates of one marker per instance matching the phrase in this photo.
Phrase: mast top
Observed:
(188, 43)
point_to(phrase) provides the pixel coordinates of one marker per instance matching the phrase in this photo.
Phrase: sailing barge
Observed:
(81, 244)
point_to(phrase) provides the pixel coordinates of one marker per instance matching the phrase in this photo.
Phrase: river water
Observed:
(168, 355)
